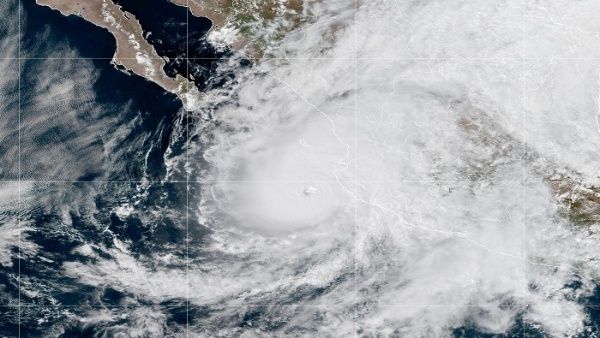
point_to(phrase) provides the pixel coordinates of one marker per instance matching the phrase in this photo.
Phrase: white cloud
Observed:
(397, 183)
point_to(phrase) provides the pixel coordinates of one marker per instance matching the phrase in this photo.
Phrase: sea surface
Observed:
(94, 140)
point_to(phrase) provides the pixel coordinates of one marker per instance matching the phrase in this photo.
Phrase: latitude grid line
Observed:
(252, 305)
(450, 58)
(225, 181)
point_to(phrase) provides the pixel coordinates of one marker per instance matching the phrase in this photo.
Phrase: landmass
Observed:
(133, 52)
(579, 201)
(250, 25)
(247, 26)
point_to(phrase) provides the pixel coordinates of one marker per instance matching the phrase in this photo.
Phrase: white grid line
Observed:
(265, 59)
(253, 305)
(233, 181)
(19, 165)
(356, 228)
(524, 170)
(187, 173)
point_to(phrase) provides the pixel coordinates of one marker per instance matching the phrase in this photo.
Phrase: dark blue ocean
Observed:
(91, 138)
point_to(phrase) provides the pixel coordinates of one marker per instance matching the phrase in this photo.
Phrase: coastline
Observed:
(133, 52)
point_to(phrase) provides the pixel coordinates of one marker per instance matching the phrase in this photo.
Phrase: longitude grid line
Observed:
(356, 237)
(187, 174)
(19, 169)
(524, 171)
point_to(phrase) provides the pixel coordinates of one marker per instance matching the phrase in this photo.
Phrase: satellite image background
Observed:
(316, 168)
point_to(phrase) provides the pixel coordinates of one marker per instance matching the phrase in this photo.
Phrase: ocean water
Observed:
(94, 144)
(180, 37)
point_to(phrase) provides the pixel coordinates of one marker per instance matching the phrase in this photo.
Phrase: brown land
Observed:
(250, 18)
(133, 51)
(220, 12)
(247, 17)
(579, 202)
